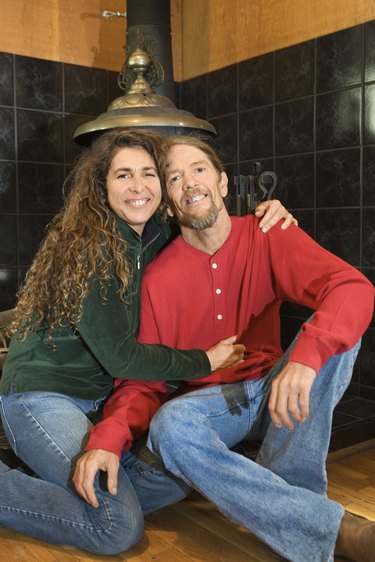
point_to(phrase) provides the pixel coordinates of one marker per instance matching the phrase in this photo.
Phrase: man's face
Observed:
(133, 186)
(195, 188)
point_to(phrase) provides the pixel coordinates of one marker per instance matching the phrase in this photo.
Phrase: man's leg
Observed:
(299, 455)
(47, 431)
(154, 485)
(193, 434)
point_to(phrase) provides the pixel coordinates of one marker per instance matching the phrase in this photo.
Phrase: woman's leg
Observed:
(47, 431)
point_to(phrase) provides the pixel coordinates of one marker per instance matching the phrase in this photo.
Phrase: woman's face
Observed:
(133, 187)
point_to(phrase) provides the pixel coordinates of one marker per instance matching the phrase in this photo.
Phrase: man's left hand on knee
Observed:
(290, 395)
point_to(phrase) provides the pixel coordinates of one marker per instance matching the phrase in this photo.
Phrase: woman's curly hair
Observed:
(82, 240)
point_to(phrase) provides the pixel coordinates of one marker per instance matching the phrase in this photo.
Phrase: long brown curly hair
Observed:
(82, 240)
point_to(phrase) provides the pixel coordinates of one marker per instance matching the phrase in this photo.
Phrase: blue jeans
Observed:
(281, 497)
(48, 431)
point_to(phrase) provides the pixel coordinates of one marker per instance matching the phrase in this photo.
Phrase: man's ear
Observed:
(223, 184)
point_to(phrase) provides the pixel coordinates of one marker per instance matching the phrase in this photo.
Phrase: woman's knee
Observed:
(118, 540)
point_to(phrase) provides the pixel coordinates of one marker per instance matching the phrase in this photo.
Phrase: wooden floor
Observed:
(194, 531)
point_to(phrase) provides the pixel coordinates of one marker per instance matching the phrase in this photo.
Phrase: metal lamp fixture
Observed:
(148, 64)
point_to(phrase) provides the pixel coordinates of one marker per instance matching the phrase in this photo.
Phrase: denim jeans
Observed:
(48, 431)
(281, 497)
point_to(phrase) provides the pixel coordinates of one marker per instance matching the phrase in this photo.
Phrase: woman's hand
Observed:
(225, 354)
(86, 469)
(272, 211)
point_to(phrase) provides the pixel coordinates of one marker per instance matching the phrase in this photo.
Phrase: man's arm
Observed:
(290, 394)
(342, 297)
(127, 414)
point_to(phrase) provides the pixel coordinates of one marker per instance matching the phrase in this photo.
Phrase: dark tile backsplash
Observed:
(338, 119)
(255, 133)
(308, 113)
(338, 178)
(255, 86)
(6, 79)
(294, 126)
(85, 90)
(41, 104)
(39, 84)
(294, 71)
(339, 59)
(221, 95)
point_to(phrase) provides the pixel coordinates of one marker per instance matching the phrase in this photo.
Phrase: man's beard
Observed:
(202, 222)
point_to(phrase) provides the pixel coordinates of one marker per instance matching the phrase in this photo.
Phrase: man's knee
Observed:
(170, 424)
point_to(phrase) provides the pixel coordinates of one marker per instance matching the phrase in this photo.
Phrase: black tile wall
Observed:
(255, 82)
(221, 95)
(339, 59)
(294, 126)
(39, 84)
(6, 79)
(338, 119)
(294, 72)
(308, 113)
(41, 104)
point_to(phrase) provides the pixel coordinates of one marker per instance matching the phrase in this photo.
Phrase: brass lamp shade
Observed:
(165, 121)
(141, 106)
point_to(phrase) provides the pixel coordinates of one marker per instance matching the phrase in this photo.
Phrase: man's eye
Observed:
(174, 179)
(200, 170)
(123, 176)
(151, 174)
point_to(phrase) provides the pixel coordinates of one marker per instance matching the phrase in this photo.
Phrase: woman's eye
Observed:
(123, 176)
(200, 170)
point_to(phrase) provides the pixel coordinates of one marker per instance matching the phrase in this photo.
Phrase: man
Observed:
(224, 276)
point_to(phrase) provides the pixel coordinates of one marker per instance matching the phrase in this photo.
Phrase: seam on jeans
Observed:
(41, 429)
(106, 509)
(65, 458)
(36, 514)
(5, 421)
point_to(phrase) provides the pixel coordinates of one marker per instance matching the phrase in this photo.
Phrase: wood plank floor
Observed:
(194, 531)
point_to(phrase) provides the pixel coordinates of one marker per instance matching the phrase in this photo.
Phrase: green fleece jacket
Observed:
(83, 360)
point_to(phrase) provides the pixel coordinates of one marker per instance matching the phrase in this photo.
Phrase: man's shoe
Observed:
(356, 539)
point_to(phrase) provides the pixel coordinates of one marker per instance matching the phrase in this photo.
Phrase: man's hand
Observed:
(272, 211)
(225, 354)
(290, 394)
(86, 469)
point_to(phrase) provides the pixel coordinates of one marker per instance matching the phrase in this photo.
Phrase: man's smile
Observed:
(194, 198)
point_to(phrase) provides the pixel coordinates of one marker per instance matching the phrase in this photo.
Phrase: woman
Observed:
(74, 331)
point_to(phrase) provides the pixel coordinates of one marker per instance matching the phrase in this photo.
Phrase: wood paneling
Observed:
(65, 31)
(218, 33)
(206, 34)
(73, 31)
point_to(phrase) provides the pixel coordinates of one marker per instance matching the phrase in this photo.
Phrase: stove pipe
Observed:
(149, 63)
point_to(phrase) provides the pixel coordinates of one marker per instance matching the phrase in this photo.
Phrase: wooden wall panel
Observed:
(217, 33)
(206, 34)
(71, 31)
